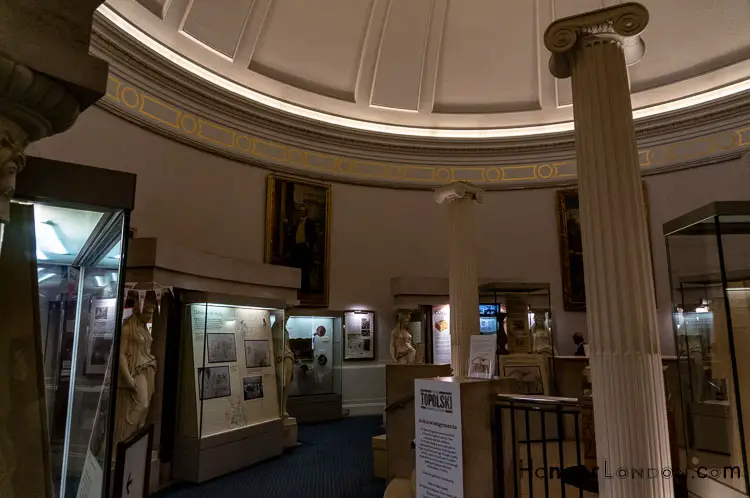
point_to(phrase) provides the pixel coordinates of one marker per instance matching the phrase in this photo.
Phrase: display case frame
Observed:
(112, 193)
(208, 446)
(318, 407)
(706, 253)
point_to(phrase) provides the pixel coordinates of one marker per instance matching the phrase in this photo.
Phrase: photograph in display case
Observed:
(359, 337)
(214, 382)
(100, 313)
(302, 348)
(221, 348)
(98, 354)
(257, 354)
(297, 233)
(252, 387)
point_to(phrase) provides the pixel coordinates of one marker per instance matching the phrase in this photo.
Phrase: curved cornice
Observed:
(162, 97)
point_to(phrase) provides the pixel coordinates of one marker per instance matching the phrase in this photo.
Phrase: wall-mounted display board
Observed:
(359, 339)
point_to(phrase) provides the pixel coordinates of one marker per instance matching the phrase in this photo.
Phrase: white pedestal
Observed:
(290, 432)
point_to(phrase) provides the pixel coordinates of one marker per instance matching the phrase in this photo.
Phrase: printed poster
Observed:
(441, 335)
(439, 444)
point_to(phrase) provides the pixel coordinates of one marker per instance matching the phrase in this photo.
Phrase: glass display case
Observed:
(230, 398)
(708, 253)
(62, 303)
(315, 340)
(520, 313)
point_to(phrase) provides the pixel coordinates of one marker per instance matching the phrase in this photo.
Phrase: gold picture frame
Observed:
(571, 248)
(298, 220)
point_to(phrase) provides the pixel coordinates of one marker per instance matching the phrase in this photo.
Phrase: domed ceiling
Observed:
(432, 68)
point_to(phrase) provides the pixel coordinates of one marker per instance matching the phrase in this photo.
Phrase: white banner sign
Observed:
(438, 437)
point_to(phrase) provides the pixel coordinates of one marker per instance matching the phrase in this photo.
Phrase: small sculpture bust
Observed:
(403, 351)
(541, 336)
(137, 371)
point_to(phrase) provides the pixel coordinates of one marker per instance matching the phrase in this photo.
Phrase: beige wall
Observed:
(217, 205)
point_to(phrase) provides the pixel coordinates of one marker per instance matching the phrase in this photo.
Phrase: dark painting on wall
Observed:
(571, 248)
(571, 251)
(297, 233)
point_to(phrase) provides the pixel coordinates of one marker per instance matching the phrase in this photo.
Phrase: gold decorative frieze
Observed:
(165, 117)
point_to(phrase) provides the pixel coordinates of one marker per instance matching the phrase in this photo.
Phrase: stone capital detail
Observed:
(621, 24)
(32, 106)
(456, 191)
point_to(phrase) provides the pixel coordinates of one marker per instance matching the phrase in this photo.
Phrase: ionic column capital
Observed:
(37, 103)
(621, 24)
(32, 106)
(458, 190)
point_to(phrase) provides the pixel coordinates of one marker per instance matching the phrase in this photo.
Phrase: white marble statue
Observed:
(541, 335)
(137, 372)
(403, 351)
(284, 359)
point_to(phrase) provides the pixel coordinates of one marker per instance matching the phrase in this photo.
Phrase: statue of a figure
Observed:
(403, 351)
(541, 335)
(137, 372)
(284, 358)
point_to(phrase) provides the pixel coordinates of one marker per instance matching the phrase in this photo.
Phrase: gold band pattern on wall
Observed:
(161, 116)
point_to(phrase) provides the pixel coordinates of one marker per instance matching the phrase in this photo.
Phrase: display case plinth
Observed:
(201, 459)
(315, 408)
(290, 432)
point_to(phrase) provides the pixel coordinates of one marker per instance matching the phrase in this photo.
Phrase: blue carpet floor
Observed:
(333, 461)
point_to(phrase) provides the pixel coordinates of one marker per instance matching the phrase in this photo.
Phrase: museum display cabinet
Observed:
(708, 253)
(193, 282)
(61, 298)
(315, 340)
(229, 401)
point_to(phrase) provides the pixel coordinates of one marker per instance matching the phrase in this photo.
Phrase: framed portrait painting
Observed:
(571, 247)
(297, 233)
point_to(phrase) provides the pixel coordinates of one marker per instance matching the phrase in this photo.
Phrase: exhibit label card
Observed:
(92, 478)
(482, 356)
(441, 335)
(439, 444)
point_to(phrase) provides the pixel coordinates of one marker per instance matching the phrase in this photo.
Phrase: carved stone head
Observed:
(12, 161)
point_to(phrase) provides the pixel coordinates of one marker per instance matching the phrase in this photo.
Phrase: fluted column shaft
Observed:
(627, 383)
(462, 274)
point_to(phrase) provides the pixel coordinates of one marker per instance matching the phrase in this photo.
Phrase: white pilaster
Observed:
(463, 280)
(628, 386)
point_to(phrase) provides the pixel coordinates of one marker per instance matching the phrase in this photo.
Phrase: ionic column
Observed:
(628, 385)
(32, 106)
(463, 282)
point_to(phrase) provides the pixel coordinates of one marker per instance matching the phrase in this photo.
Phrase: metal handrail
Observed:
(531, 399)
(399, 403)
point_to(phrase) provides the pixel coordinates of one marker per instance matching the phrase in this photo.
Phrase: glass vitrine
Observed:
(315, 342)
(229, 374)
(709, 263)
(76, 258)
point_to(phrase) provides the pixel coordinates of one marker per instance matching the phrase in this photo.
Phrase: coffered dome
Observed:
(432, 68)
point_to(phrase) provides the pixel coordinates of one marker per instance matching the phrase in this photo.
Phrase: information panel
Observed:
(441, 335)
(438, 439)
